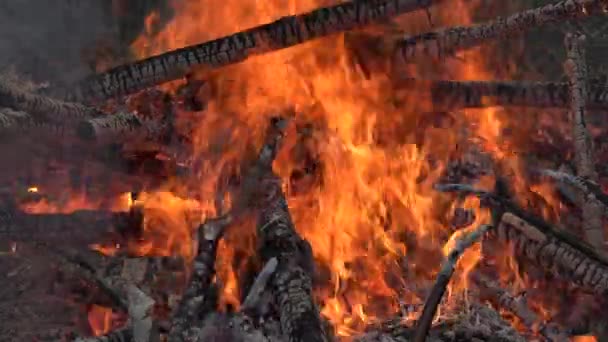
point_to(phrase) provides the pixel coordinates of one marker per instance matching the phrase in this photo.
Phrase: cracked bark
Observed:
(285, 32)
(554, 255)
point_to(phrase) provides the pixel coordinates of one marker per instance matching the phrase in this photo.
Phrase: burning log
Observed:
(576, 70)
(120, 127)
(195, 296)
(283, 33)
(591, 191)
(448, 95)
(443, 278)
(557, 256)
(438, 44)
(42, 107)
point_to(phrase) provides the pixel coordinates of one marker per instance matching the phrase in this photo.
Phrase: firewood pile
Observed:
(506, 264)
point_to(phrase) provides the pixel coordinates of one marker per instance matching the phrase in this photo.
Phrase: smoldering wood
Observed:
(450, 95)
(587, 188)
(254, 297)
(466, 240)
(42, 107)
(554, 255)
(285, 32)
(445, 42)
(119, 128)
(575, 67)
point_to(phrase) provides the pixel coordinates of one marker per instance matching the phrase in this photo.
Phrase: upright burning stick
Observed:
(576, 70)
(437, 44)
(285, 32)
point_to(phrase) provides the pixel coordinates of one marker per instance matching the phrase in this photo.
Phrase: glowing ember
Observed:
(100, 319)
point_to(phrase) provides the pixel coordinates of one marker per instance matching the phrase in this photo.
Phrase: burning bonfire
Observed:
(328, 172)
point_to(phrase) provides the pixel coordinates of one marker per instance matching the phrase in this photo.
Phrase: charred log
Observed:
(283, 33)
(42, 107)
(18, 122)
(444, 42)
(120, 127)
(556, 256)
(448, 95)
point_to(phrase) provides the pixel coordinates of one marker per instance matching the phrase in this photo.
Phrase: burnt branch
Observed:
(42, 107)
(443, 278)
(283, 33)
(449, 95)
(584, 154)
(591, 191)
(254, 297)
(445, 42)
(189, 312)
(18, 122)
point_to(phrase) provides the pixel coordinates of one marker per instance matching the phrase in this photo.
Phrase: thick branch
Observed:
(450, 95)
(440, 43)
(42, 107)
(576, 70)
(556, 256)
(283, 33)
(443, 278)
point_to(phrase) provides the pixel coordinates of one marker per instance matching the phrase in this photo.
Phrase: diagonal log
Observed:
(292, 281)
(42, 107)
(591, 191)
(283, 33)
(584, 154)
(448, 95)
(554, 255)
(444, 42)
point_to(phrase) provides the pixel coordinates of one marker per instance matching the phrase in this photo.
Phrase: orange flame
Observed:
(100, 319)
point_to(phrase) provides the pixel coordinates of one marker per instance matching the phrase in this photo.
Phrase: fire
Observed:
(376, 189)
(100, 319)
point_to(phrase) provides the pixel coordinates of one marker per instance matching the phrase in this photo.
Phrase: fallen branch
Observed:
(584, 154)
(450, 95)
(443, 278)
(42, 107)
(556, 256)
(285, 32)
(444, 42)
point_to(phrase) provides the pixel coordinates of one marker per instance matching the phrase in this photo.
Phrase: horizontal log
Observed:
(121, 127)
(18, 122)
(554, 255)
(283, 33)
(444, 42)
(449, 95)
(42, 107)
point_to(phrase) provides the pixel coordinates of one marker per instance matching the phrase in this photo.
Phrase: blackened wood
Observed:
(280, 34)
(444, 42)
(42, 107)
(119, 128)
